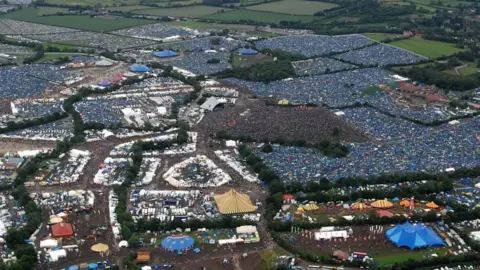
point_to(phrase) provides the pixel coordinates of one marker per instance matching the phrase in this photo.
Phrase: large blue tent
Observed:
(165, 54)
(177, 242)
(414, 236)
(74, 267)
(93, 266)
(139, 68)
(248, 52)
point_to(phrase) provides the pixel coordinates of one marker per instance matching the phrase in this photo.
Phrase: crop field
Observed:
(445, 3)
(428, 48)
(128, 8)
(79, 22)
(93, 2)
(258, 16)
(190, 12)
(50, 10)
(295, 7)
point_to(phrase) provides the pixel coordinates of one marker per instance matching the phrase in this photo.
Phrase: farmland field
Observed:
(380, 36)
(295, 7)
(50, 10)
(258, 16)
(202, 25)
(128, 8)
(192, 12)
(428, 48)
(79, 22)
(93, 2)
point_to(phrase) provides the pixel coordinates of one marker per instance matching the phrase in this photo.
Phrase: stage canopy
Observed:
(234, 202)
(382, 204)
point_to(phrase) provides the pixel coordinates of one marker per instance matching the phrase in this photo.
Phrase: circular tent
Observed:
(74, 267)
(431, 205)
(139, 68)
(55, 220)
(358, 206)
(382, 204)
(178, 243)
(100, 248)
(414, 236)
(93, 266)
(248, 52)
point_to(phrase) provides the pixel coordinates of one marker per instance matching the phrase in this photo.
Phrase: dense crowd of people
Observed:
(382, 126)
(5, 48)
(197, 62)
(319, 66)
(453, 146)
(314, 45)
(105, 111)
(160, 31)
(335, 90)
(26, 81)
(381, 55)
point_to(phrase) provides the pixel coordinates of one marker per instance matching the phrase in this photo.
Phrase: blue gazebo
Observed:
(74, 267)
(93, 266)
(178, 243)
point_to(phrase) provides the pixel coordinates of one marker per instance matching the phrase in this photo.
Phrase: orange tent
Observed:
(382, 204)
(359, 206)
(405, 203)
(432, 205)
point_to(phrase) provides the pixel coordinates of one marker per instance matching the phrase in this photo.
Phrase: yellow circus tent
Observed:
(359, 206)
(382, 204)
(432, 205)
(233, 202)
(405, 203)
(310, 207)
(100, 248)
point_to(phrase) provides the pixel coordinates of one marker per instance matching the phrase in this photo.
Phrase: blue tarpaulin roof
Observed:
(93, 266)
(165, 54)
(74, 267)
(139, 68)
(177, 242)
(414, 236)
(248, 52)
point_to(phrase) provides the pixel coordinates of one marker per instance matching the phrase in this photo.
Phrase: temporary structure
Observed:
(62, 230)
(382, 204)
(342, 255)
(359, 206)
(405, 203)
(432, 205)
(55, 220)
(311, 207)
(100, 248)
(233, 202)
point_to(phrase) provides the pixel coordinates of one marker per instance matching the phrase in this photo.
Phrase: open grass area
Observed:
(270, 257)
(60, 46)
(295, 7)
(258, 16)
(444, 3)
(83, 22)
(51, 56)
(379, 36)
(189, 12)
(428, 48)
(469, 69)
(404, 255)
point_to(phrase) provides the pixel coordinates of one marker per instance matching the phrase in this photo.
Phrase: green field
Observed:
(51, 56)
(405, 255)
(50, 10)
(295, 7)
(258, 16)
(445, 3)
(60, 46)
(428, 48)
(202, 25)
(127, 8)
(380, 36)
(93, 2)
(189, 12)
(470, 69)
(80, 22)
